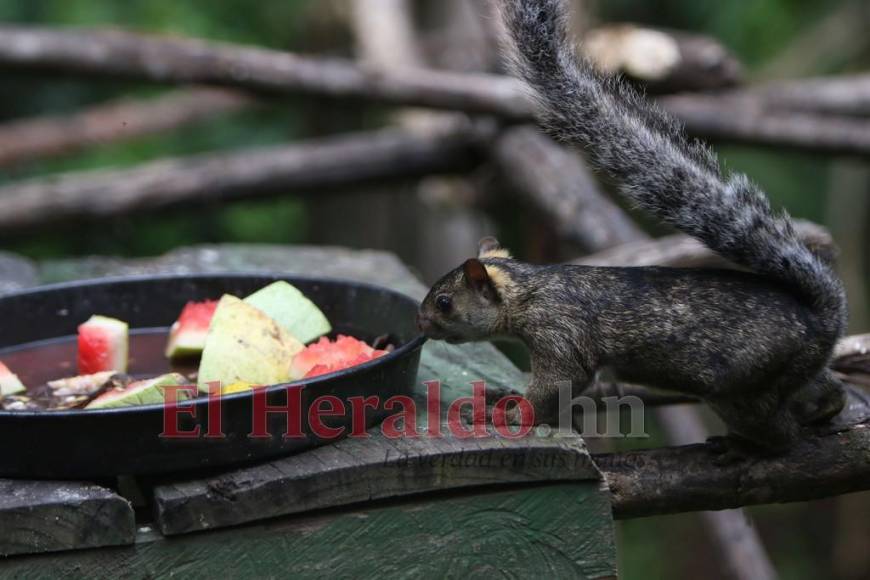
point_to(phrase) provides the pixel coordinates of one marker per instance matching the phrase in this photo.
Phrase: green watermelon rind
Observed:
(147, 392)
(186, 345)
(292, 310)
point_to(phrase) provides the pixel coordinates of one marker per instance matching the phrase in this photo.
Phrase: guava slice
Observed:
(245, 345)
(10, 384)
(103, 346)
(148, 392)
(292, 310)
(187, 336)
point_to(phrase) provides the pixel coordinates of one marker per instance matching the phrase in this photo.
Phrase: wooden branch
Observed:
(322, 164)
(852, 360)
(555, 181)
(853, 345)
(664, 61)
(843, 95)
(679, 479)
(682, 251)
(30, 139)
(384, 33)
(121, 54)
(744, 120)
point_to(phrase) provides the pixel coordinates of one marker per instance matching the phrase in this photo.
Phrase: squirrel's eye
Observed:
(444, 303)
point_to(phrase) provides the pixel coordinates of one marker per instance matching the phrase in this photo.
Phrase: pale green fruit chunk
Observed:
(9, 382)
(245, 345)
(291, 309)
(148, 392)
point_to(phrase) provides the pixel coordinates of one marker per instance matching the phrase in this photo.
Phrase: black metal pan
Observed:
(85, 444)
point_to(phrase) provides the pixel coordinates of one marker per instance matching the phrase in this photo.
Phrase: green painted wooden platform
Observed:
(408, 508)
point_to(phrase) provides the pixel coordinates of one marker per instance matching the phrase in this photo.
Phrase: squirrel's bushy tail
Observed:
(657, 166)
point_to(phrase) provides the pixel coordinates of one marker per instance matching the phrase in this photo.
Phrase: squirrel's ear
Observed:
(478, 278)
(489, 247)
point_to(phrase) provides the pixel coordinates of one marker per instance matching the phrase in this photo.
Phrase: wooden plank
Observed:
(16, 273)
(551, 531)
(353, 471)
(51, 516)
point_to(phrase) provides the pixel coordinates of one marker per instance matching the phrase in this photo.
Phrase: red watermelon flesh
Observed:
(326, 356)
(187, 336)
(103, 346)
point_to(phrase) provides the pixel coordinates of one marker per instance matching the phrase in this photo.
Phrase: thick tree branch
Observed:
(680, 479)
(309, 167)
(30, 139)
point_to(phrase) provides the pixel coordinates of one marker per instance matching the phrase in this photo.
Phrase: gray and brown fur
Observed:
(754, 345)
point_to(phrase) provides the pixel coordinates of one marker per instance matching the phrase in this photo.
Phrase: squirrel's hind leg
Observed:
(763, 424)
(820, 400)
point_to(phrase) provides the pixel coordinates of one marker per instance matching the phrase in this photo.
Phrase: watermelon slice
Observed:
(326, 356)
(187, 336)
(9, 382)
(103, 346)
(245, 345)
(290, 308)
(147, 392)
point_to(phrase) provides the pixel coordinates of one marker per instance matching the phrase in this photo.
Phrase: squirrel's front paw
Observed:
(728, 450)
(468, 416)
(496, 415)
(492, 397)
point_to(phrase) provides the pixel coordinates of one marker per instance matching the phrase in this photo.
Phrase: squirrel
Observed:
(755, 345)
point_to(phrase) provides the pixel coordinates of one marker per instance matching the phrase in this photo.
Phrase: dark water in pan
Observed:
(40, 362)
